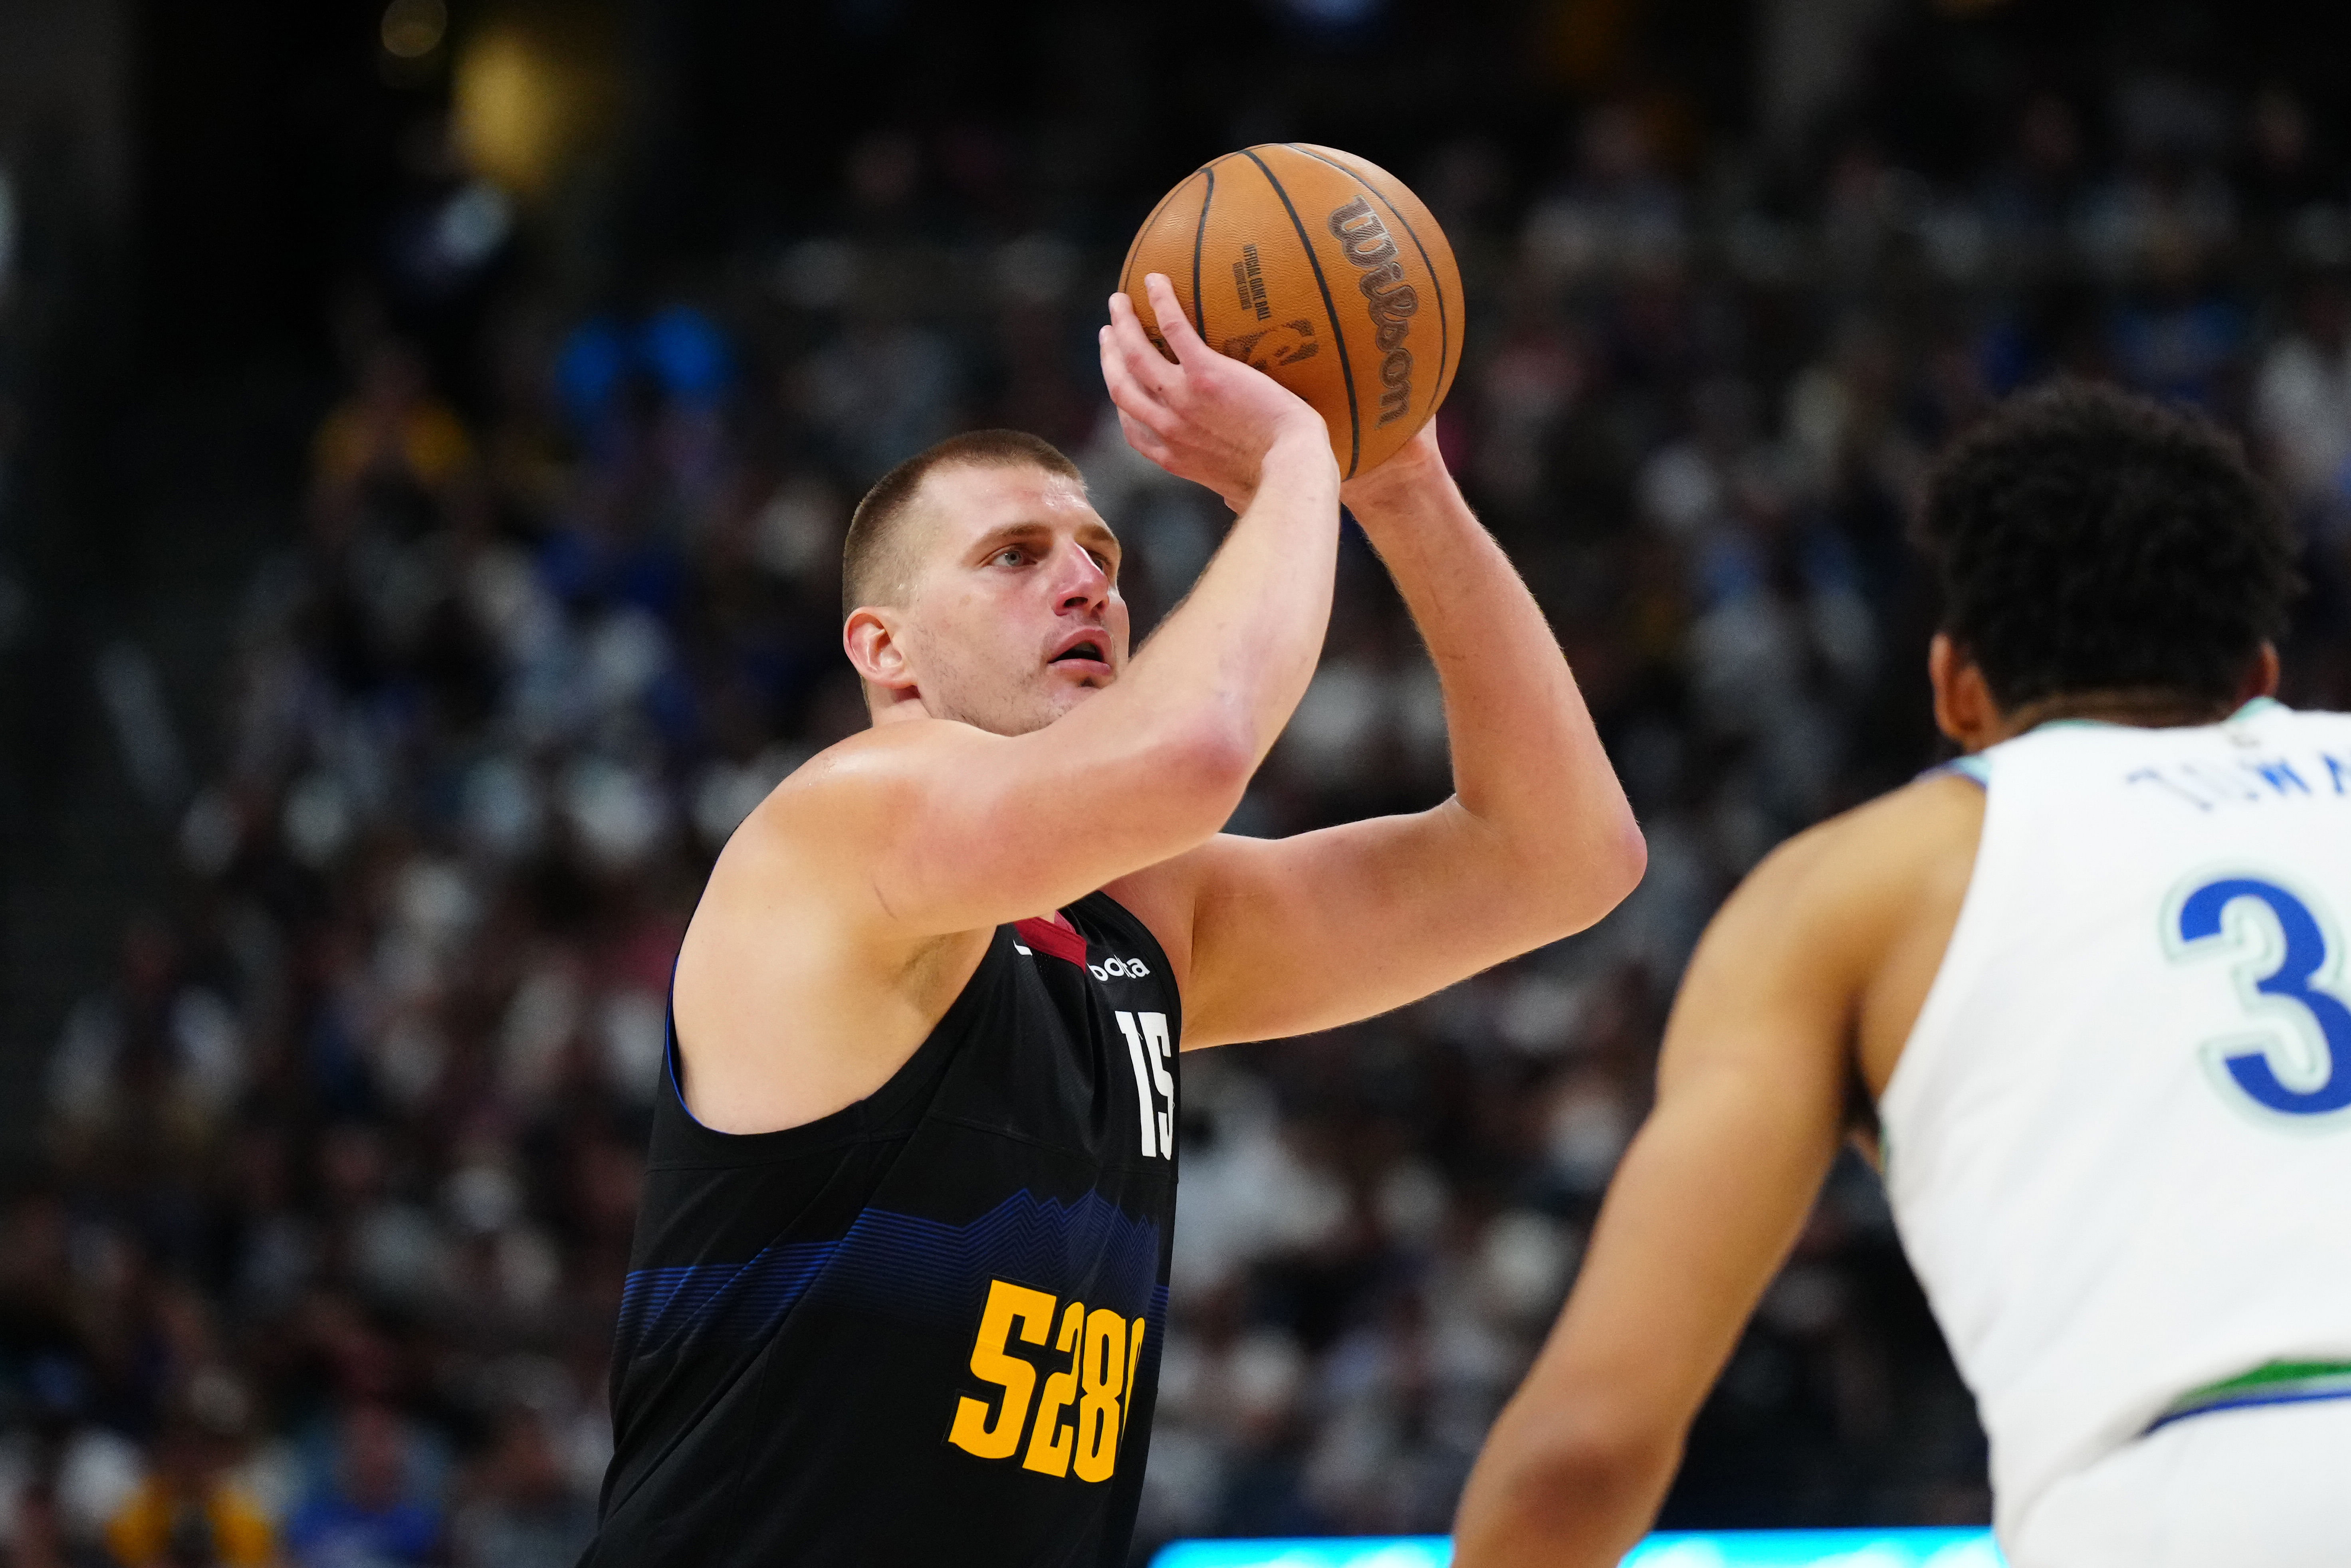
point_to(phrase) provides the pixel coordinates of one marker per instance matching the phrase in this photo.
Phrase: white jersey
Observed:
(2118, 1140)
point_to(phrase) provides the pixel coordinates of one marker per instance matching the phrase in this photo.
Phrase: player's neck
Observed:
(2144, 708)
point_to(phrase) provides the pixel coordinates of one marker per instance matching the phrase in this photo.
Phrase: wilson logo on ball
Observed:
(1258, 247)
(1367, 242)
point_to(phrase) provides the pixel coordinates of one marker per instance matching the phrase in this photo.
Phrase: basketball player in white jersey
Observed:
(2092, 976)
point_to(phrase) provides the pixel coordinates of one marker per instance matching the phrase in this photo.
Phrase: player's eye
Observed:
(1010, 555)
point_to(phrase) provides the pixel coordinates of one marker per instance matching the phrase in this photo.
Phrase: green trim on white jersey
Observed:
(2277, 1383)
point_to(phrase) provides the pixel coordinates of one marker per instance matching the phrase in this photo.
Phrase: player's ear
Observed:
(1964, 710)
(2262, 679)
(874, 647)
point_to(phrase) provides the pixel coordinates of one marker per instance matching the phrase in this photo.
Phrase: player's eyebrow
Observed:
(1097, 535)
(1094, 537)
(1024, 531)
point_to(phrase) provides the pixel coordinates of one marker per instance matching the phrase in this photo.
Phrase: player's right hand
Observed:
(1204, 417)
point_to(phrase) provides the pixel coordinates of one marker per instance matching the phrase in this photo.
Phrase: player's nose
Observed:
(1080, 582)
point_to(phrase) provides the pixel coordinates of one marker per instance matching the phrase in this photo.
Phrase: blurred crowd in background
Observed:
(338, 1173)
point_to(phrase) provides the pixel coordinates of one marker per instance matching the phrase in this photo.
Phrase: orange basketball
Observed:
(1321, 270)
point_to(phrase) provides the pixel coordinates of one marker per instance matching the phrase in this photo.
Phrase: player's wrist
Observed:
(1291, 457)
(1408, 482)
(1300, 447)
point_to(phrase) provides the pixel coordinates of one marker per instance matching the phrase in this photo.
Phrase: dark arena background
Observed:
(426, 434)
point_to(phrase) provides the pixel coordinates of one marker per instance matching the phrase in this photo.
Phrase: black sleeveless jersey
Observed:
(926, 1328)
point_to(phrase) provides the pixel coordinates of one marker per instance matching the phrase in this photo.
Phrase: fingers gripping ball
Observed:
(1321, 270)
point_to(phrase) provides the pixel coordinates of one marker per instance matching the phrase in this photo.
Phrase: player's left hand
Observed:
(1206, 417)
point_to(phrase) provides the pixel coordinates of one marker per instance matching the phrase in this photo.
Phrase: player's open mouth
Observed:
(1087, 651)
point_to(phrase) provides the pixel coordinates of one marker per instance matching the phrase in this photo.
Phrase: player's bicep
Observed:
(1312, 932)
(1305, 933)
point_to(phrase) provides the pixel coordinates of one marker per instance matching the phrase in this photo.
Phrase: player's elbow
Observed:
(1196, 775)
(1588, 872)
(1562, 1488)
(1608, 1464)
(1620, 860)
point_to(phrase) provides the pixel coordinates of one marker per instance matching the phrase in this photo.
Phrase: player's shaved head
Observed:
(879, 557)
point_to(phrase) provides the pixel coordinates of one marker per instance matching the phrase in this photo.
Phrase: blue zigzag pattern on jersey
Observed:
(903, 1265)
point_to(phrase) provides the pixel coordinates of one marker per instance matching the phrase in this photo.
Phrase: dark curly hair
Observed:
(2089, 541)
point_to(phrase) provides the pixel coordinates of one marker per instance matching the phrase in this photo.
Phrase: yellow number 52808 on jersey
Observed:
(1104, 1350)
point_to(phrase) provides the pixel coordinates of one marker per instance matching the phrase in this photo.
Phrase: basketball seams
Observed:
(1127, 267)
(1199, 239)
(1130, 284)
(1330, 312)
(1436, 282)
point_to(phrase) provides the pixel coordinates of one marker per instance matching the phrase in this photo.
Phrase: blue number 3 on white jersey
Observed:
(2288, 962)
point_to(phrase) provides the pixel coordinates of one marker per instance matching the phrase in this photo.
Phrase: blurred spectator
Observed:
(368, 1513)
(190, 1511)
(392, 434)
(523, 1511)
(38, 1536)
(2302, 398)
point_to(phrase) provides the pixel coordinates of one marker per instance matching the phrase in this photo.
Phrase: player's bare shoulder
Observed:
(791, 910)
(1866, 897)
(1883, 847)
(817, 834)
(1871, 896)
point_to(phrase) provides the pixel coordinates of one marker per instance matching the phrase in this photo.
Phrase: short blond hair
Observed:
(870, 556)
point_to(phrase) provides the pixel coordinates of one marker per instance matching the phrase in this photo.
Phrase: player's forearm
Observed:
(1173, 742)
(1225, 670)
(1547, 1495)
(1237, 654)
(1527, 763)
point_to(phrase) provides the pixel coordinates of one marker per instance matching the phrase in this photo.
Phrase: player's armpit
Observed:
(1707, 1204)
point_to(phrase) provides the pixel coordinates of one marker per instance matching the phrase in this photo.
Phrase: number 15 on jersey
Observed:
(1150, 1049)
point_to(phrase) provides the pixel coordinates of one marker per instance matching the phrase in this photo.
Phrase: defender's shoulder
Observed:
(1924, 815)
(1884, 849)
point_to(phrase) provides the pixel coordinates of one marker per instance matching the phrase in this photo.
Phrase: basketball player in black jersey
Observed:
(900, 1277)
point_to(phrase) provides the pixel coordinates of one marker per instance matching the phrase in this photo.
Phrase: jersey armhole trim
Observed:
(1975, 767)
